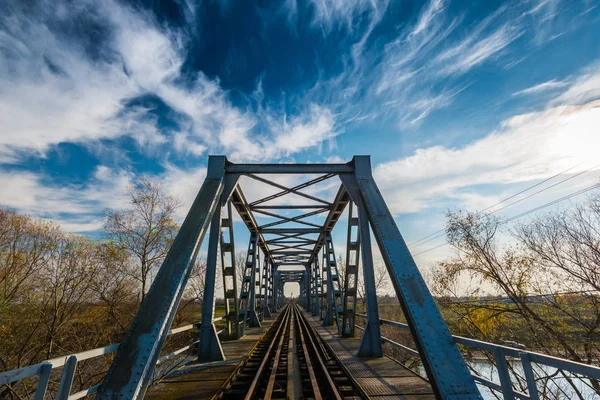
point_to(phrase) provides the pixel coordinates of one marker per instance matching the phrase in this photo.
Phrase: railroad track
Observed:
(291, 361)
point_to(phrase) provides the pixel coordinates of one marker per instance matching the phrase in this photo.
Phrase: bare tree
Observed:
(146, 230)
(546, 280)
(23, 245)
(240, 266)
(381, 283)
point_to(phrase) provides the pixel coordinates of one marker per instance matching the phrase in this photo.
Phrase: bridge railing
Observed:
(501, 355)
(69, 365)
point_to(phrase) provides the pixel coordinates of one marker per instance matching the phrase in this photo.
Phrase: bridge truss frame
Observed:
(132, 368)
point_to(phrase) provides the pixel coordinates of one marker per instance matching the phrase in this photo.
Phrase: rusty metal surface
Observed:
(381, 378)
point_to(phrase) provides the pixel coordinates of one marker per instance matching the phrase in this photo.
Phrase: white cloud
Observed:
(542, 87)
(75, 207)
(344, 13)
(525, 147)
(52, 90)
(583, 89)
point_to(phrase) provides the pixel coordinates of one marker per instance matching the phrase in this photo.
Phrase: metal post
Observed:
(529, 376)
(370, 343)
(504, 374)
(229, 275)
(247, 305)
(276, 283)
(133, 365)
(323, 287)
(334, 292)
(309, 284)
(209, 346)
(258, 289)
(266, 311)
(317, 300)
(66, 381)
(43, 380)
(351, 275)
(272, 290)
(445, 367)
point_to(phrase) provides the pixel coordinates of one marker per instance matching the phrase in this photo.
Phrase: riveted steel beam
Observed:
(290, 168)
(133, 365)
(445, 366)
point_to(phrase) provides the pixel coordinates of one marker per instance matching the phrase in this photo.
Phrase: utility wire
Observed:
(551, 203)
(442, 232)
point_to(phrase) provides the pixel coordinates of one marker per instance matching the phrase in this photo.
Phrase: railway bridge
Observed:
(267, 346)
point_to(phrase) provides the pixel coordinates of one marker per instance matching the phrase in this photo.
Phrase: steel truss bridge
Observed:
(294, 245)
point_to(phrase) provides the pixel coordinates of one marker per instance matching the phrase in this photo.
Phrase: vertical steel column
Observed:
(335, 306)
(280, 296)
(351, 275)
(258, 280)
(209, 346)
(265, 308)
(247, 307)
(272, 289)
(276, 283)
(317, 288)
(309, 285)
(229, 276)
(370, 343)
(323, 294)
(133, 365)
(445, 366)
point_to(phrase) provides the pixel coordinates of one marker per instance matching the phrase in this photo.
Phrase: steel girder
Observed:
(266, 311)
(445, 366)
(316, 289)
(351, 274)
(230, 286)
(209, 346)
(247, 305)
(335, 306)
(130, 372)
(133, 365)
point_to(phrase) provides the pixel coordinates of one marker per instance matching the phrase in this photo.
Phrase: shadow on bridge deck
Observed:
(200, 381)
(380, 378)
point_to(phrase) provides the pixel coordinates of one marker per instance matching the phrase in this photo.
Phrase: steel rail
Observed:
(319, 356)
(274, 369)
(266, 359)
(309, 365)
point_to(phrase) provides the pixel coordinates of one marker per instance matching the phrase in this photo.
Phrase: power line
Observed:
(551, 203)
(441, 232)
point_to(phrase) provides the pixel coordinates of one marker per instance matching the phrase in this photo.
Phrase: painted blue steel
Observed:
(445, 366)
(265, 296)
(335, 306)
(529, 376)
(66, 380)
(370, 342)
(132, 368)
(504, 374)
(247, 302)
(43, 380)
(351, 274)
(317, 288)
(527, 358)
(229, 275)
(290, 168)
(209, 347)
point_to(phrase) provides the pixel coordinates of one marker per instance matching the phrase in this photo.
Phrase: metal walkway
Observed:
(292, 356)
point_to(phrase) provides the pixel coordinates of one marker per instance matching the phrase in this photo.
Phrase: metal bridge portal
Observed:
(289, 241)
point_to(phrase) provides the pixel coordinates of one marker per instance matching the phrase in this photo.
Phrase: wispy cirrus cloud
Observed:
(542, 87)
(523, 148)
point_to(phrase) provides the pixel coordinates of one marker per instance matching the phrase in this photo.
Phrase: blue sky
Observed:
(460, 104)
